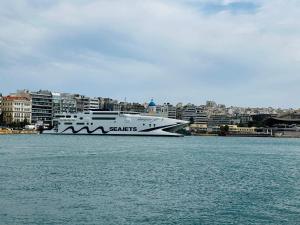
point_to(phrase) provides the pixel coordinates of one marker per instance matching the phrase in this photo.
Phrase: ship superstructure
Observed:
(115, 123)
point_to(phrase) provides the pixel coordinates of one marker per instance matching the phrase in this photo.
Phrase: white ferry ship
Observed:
(115, 123)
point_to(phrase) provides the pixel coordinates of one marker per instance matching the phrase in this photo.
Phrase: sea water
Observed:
(48, 179)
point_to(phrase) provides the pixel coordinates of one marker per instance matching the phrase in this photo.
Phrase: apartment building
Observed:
(16, 109)
(168, 110)
(94, 103)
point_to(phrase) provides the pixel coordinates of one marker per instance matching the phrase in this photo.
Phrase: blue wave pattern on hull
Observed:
(87, 130)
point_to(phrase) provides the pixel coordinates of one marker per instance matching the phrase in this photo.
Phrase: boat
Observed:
(115, 123)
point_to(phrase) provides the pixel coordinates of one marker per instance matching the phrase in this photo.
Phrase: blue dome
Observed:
(152, 103)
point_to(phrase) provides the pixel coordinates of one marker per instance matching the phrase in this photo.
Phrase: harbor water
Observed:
(48, 179)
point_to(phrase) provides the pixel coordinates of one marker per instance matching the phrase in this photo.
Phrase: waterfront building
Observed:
(213, 129)
(137, 107)
(189, 112)
(198, 128)
(284, 120)
(167, 110)
(241, 130)
(108, 104)
(218, 120)
(63, 102)
(68, 103)
(195, 114)
(124, 106)
(41, 107)
(16, 109)
(201, 116)
(179, 110)
(41, 111)
(235, 121)
(56, 103)
(94, 104)
(131, 107)
(82, 103)
(245, 118)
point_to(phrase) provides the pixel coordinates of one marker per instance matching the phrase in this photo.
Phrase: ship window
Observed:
(68, 116)
(105, 113)
(59, 116)
(143, 124)
(86, 113)
(149, 125)
(75, 116)
(91, 123)
(81, 118)
(68, 123)
(87, 123)
(103, 118)
(80, 123)
(153, 125)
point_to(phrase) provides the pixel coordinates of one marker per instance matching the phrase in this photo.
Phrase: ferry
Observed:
(115, 123)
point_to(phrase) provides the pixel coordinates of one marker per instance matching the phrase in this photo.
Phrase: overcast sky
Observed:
(244, 53)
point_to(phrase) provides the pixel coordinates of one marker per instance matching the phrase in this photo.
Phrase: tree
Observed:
(224, 130)
(24, 123)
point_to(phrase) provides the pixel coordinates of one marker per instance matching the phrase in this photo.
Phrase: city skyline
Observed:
(239, 53)
(144, 102)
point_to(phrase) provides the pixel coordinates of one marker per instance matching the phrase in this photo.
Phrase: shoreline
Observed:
(245, 135)
(8, 132)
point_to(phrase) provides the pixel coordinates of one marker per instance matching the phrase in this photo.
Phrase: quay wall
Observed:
(8, 131)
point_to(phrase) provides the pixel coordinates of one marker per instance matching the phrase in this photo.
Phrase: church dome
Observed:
(152, 104)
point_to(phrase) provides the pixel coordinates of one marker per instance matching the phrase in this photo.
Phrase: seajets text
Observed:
(123, 128)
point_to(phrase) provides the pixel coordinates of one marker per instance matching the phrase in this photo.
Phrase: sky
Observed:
(236, 52)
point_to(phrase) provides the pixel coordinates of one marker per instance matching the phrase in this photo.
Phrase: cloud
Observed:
(236, 52)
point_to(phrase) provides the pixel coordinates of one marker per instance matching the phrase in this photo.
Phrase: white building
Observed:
(196, 114)
(169, 111)
(94, 104)
(16, 109)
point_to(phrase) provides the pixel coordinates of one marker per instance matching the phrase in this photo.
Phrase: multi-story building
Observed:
(82, 103)
(201, 116)
(241, 130)
(131, 107)
(245, 118)
(189, 112)
(137, 107)
(63, 102)
(179, 110)
(41, 111)
(68, 103)
(218, 120)
(168, 110)
(16, 109)
(93, 103)
(56, 103)
(108, 104)
(41, 107)
(195, 113)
